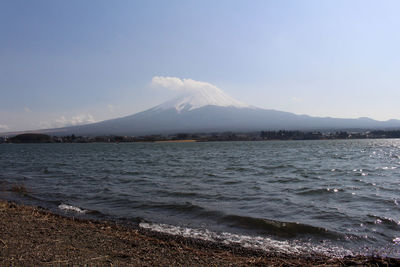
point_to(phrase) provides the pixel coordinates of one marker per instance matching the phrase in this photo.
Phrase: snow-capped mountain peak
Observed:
(202, 97)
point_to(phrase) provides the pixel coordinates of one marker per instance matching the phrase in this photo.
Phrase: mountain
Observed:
(202, 97)
(211, 110)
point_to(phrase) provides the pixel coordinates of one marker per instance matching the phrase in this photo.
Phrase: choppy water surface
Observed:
(318, 196)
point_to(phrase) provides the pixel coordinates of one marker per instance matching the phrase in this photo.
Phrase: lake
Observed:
(335, 197)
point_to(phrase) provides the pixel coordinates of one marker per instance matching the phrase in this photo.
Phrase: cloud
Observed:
(182, 85)
(296, 99)
(63, 121)
(110, 108)
(4, 127)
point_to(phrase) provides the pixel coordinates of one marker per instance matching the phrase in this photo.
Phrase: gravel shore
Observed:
(32, 236)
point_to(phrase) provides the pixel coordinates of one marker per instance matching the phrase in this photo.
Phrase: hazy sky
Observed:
(70, 62)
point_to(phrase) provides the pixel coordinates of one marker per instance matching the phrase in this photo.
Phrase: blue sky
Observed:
(70, 62)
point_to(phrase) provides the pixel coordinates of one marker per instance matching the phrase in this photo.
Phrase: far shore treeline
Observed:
(204, 137)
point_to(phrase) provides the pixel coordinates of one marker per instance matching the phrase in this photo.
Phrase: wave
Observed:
(247, 241)
(182, 194)
(247, 223)
(317, 191)
(70, 208)
(277, 228)
(285, 180)
(279, 166)
(385, 221)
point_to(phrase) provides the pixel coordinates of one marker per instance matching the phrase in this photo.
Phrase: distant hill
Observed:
(31, 138)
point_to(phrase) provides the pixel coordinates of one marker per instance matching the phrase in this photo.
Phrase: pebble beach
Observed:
(33, 236)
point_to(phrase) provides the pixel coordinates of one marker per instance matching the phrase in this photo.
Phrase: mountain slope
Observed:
(215, 119)
(211, 110)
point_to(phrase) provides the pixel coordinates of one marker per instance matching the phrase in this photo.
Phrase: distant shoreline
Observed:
(281, 135)
(35, 236)
(177, 141)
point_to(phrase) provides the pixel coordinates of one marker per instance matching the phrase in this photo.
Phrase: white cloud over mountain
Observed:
(4, 127)
(182, 85)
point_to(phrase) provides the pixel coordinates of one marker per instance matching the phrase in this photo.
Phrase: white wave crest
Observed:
(67, 208)
(253, 242)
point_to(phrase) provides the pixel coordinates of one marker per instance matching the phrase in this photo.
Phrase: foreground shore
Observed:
(31, 236)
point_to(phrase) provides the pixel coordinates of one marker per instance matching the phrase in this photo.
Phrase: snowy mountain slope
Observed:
(200, 98)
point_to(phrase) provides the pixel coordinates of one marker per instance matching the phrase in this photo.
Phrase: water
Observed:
(334, 197)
